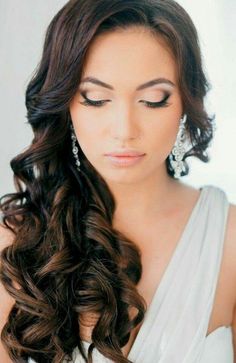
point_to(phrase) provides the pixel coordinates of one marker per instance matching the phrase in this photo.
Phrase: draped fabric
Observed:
(176, 323)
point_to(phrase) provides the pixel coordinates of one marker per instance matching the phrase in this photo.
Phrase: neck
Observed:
(139, 200)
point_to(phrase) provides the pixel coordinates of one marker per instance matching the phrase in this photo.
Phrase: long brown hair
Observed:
(66, 258)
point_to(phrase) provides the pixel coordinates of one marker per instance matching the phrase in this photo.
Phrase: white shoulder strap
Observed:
(177, 322)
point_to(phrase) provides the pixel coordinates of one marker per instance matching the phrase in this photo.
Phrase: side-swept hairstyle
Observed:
(66, 259)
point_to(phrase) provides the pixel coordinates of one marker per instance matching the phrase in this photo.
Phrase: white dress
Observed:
(176, 323)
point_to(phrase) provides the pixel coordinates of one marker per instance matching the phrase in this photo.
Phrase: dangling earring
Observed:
(178, 150)
(75, 148)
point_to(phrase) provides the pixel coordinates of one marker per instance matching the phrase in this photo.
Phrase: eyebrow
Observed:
(140, 87)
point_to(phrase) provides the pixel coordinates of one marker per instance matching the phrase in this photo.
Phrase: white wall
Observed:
(215, 22)
(22, 29)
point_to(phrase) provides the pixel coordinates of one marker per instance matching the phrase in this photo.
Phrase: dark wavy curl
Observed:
(66, 258)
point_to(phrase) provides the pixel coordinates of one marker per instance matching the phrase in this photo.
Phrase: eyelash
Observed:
(89, 102)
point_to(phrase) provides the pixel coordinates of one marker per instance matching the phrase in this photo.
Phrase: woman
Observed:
(106, 252)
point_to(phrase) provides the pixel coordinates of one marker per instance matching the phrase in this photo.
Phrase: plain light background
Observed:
(22, 29)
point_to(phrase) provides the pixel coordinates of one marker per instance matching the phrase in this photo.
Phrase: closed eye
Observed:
(99, 103)
(162, 103)
(89, 102)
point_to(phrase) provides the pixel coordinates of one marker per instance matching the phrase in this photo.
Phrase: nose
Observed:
(125, 125)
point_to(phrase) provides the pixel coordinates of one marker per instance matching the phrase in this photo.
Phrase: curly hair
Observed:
(66, 259)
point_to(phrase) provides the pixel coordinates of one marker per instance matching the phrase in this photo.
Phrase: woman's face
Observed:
(125, 60)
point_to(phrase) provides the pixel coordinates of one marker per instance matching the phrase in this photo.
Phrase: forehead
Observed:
(129, 57)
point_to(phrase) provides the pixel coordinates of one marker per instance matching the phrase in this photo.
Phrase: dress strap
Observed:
(176, 326)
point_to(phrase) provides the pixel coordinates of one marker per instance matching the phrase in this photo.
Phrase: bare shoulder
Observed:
(6, 301)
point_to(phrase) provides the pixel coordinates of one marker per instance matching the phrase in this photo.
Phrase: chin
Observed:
(123, 175)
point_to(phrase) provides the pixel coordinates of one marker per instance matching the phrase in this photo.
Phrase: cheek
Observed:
(82, 121)
(87, 133)
(162, 137)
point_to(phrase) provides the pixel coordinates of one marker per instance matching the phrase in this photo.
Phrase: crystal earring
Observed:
(178, 150)
(75, 148)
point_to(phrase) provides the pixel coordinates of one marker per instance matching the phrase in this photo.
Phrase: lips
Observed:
(124, 158)
(125, 153)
